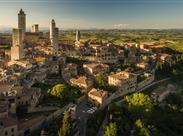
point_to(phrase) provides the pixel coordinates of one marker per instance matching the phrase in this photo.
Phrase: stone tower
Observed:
(17, 51)
(54, 35)
(78, 35)
(35, 28)
(22, 21)
(52, 27)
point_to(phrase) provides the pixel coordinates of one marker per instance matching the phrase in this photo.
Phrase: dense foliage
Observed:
(139, 104)
(58, 90)
(131, 118)
(66, 124)
(94, 122)
(111, 130)
(100, 80)
(62, 94)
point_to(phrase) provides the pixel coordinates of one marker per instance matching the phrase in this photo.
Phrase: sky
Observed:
(87, 14)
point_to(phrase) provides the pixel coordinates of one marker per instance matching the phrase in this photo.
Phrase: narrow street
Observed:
(81, 115)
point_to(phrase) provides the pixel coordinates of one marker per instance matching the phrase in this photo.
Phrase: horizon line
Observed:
(85, 29)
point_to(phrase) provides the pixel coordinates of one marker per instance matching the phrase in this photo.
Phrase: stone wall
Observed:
(145, 82)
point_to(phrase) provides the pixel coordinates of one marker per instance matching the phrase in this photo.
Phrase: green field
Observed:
(177, 47)
(123, 36)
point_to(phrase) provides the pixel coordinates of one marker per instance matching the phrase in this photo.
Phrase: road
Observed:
(81, 115)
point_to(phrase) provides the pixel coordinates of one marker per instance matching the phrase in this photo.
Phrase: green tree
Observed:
(111, 130)
(174, 72)
(142, 130)
(58, 90)
(139, 103)
(100, 80)
(44, 133)
(66, 124)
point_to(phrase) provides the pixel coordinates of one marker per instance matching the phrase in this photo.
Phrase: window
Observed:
(12, 130)
(6, 133)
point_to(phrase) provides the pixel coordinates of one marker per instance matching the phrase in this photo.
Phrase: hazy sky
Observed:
(95, 13)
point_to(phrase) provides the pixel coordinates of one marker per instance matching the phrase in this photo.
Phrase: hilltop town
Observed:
(100, 83)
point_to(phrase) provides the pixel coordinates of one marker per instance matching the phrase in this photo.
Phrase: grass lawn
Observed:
(177, 47)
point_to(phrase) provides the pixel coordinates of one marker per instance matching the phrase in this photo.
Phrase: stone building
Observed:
(35, 28)
(54, 35)
(104, 53)
(8, 126)
(95, 68)
(78, 35)
(82, 82)
(125, 81)
(97, 96)
(17, 51)
(22, 21)
(162, 92)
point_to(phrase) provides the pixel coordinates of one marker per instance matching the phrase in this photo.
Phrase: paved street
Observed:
(81, 115)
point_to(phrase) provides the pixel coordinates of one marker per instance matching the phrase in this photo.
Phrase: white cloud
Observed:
(120, 26)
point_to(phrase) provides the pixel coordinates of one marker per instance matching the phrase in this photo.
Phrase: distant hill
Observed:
(5, 29)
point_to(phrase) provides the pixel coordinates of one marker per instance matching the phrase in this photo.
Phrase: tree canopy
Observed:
(66, 124)
(100, 80)
(142, 130)
(58, 90)
(139, 103)
(111, 130)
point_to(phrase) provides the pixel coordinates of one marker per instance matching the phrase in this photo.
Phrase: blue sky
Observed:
(81, 14)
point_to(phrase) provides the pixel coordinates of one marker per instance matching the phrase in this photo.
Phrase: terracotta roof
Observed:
(156, 46)
(18, 88)
(5, 87)
(97, 92)
(94, 65)
(80, 80)
(40, 59)
(123, 75)
(142, 64)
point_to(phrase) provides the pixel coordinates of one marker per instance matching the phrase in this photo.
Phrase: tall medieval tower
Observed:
(22, 21)
(17, 49)
(54, 35)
